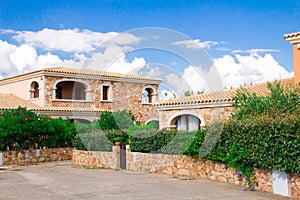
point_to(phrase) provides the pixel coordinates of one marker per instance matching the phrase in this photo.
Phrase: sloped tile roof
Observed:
(71, 109)
(225, 96)
(78, 71)
(10, 101)
(97, 73)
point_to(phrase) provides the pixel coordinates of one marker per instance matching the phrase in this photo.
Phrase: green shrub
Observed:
(150, 140)
(23, 129)
(263, 132)
(120, 120)
(146, 139)
(98, 140)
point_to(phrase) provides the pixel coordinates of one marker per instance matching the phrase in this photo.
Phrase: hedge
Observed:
(23, 129)
(98, 140)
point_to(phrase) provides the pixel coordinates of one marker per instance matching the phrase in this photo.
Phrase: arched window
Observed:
(186, 122)
(148, 95)
(70, 90)
(34, 90)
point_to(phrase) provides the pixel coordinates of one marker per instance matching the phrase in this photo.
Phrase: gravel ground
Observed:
(60, 180)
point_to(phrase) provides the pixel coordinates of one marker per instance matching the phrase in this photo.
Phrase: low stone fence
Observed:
(36, 156)
(178, 165)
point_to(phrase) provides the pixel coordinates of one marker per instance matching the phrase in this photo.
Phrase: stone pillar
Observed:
(116, 155)
(89, 95)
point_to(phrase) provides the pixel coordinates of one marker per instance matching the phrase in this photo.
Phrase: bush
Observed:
(263, 132)
(98, 140)
(149, 139)
(120, 120)
(23, 129)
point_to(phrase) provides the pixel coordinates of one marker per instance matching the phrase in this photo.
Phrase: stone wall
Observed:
(125, 95)
(178, 165)
(96, 159)
(32, 157)
(295, 185)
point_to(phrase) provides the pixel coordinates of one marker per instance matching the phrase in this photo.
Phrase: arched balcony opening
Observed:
(148, 95)
(70, 90)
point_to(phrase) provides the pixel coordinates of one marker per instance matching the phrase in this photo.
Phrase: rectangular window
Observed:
(105, 93)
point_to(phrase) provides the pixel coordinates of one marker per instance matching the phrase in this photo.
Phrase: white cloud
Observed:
(50, 60)
(72, 40)
(68, 40)
(5, 50)
(23, 57)
(238, 70)
(121, 39)
(256, 52)
(80, 43)
(113, 59)
(196, 44)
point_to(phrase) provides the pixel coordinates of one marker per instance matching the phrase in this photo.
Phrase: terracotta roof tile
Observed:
(97, 73)
(291, 35)
(70, 109)
(225, 96)
(10, 101)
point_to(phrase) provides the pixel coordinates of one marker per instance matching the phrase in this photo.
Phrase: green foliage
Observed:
(187, 143)
(281, 100)
(149, 139)
(120, 120)
(263, 132)
(23, 129)
(188, 93)
(98, 140)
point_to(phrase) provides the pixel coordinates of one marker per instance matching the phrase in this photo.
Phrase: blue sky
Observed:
(236, 31)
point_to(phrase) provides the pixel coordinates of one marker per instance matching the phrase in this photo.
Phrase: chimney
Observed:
(294, 38)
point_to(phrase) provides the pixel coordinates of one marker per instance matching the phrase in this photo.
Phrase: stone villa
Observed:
(80, 94)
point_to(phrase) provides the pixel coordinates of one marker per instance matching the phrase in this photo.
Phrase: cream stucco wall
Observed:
(21, 88)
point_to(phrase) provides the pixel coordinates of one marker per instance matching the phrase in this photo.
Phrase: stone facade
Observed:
(125, 95)
(26, 157)
(177, 165)
(207, 115)
(295, 185)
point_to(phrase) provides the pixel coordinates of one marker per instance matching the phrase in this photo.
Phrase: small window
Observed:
(34, 90)
(106, 93)
(148, 94)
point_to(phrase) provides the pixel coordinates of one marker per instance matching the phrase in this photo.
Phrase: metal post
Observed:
(123, 156)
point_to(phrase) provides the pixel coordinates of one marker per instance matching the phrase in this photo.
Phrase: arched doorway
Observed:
(186, 122)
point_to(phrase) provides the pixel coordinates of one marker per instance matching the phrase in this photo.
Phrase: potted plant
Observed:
(117, 141)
